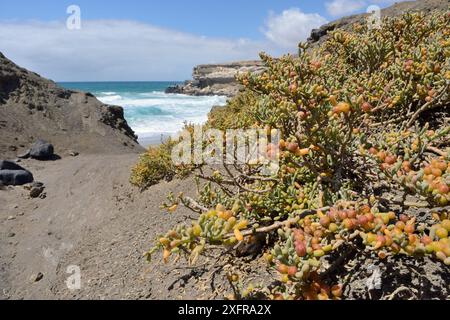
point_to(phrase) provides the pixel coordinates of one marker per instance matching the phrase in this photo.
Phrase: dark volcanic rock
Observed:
(175, 89)
(316, 34)
(42, 150)
(9, 165)
(15, 177)
(13, 174)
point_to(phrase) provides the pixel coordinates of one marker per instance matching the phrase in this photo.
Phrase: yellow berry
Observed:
(197, 230)
(238, 235)
(446, 224)
(442, 233)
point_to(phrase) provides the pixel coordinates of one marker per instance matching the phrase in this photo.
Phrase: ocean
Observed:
(149, 111)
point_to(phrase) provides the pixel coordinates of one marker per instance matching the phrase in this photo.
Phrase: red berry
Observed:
(325, 221)
(292, 270)
(363, 220)
(366, 107)
(300, 248)
(390, 160)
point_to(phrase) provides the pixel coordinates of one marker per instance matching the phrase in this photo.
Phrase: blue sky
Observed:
(231, 18)
(157, 40)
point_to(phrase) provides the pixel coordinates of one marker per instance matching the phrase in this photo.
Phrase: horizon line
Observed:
(116, 81)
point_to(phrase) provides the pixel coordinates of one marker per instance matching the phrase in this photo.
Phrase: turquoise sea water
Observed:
(150, 112)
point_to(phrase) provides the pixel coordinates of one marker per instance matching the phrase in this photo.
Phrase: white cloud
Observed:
(116, 50)
(291, 26)
(338, 8)
(127, 50)
(342, 7)
(387, 2)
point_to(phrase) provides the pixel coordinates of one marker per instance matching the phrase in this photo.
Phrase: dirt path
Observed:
(91, 218)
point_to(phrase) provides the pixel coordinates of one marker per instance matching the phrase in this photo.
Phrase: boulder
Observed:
(15, 177)
(316, 34)
(9, 165)
(174, 89)
(42, 150)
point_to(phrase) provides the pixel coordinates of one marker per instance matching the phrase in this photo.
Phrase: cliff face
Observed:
(216, 79)
(32, 108)
(219, 79)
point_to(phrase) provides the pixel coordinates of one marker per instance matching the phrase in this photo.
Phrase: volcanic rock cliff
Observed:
(219, 79)
(32, 108)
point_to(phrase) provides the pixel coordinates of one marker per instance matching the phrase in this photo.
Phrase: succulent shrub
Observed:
(367, 111)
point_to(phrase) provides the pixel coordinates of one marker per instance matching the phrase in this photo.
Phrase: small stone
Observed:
(36, 192)
(21, 214)
(37, 277)
(11, 218)
(37, 184)
(74, 153)
(11, 235)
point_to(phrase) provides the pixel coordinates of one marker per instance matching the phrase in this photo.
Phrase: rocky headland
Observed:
(216, 79)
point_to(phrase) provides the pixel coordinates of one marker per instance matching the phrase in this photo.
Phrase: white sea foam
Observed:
(152, 114)
(111, 99)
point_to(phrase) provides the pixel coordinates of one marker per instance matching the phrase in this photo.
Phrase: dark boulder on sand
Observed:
(11, 174)
(42, 150)
(15, 177)
(9, 165)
